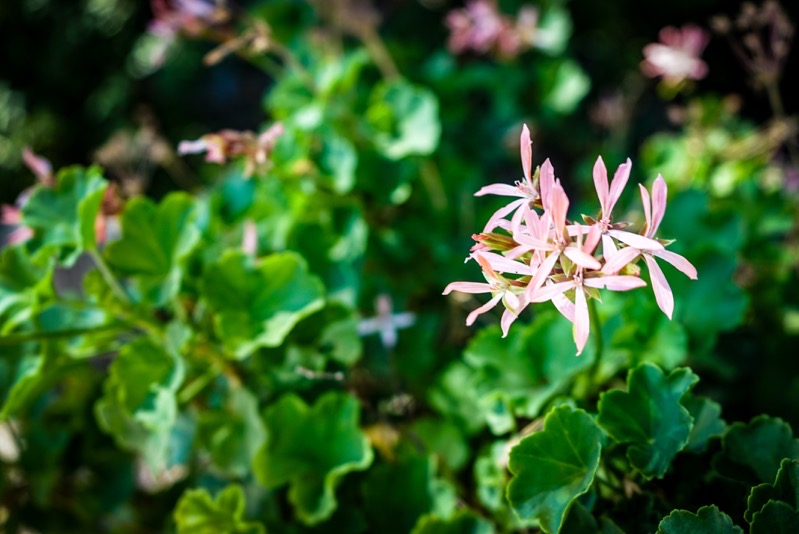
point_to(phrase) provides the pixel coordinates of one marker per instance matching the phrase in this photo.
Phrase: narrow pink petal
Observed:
(502, 264)
(592, 239)
(541, 275)
(582, 259)
(249, 241)
(19, 234)
(581, 320)
(601, 184)
(511, 301)
(546, 181)
(618, 183)
(574, 229)
(635, 240)
(608, 247)
(558, 209)
(621, 258)
(615, 282)
(549, 291)
(564, 306)
(467, 287)
(192, 147)
(647, 204)
(488, 272)
(493, 222)
(503, 190)
(659, 195)
(516, 220)
(10, 215)
(532, 242)
(527, 153)
(507, 319)
(39, 166)
(677, 261)
(660, 286)
(482, 309)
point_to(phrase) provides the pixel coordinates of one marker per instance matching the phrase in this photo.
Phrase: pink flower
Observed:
(482, 28)
(676, 57)
(654, 210)
(218, 147)
(501, 288)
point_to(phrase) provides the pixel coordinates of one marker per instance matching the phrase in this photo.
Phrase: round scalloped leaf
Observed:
(463, 522)
(707, 421)
(706, 519)
(553, 467)
(63, 217)
(753, 452)
(198, 513)
(311, 448)
(785, 488)
(155, 238)
(649, 416)
(256, 304)
(776, 517)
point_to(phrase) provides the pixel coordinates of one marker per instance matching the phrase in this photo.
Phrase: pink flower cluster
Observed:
(173, 18)
(482, 28)
(538, 255)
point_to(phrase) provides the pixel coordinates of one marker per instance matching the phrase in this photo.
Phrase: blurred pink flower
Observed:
(482, 28)
(218, 147)
(676, 57)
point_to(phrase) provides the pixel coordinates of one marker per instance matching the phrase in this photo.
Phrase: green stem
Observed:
(198, 384)
(108, 276)
(17, 339)
(379, 53)
(596, 330)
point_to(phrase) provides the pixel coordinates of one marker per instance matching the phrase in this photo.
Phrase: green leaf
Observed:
(311, 449)
(464, 522)
(155, 239)
(775, 518)
(256, 304)
(706, 519)
(443, 437)
(649, 416)
(553, 467)
(19, 381)
(23, 285)
(198, 513)
(397, 493)
(63, 217)
(707, 421)
(338, 159)
(785, 488)
(567, 86)
(753, 452)
(233, 433)
(138, 406)
(405, 118)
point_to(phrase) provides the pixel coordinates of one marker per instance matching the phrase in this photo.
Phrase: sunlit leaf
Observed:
(198, 513)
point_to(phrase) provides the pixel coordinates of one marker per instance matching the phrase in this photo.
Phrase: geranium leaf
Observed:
(649, 416)
(23, 284)
(785, 488)
(311, 448)
(553, 467)
(706, 519)
(707, 421)
(155, 238)
(752, 452)
(463, 522)
(198, 513)
(63, 217)
(138, 406)
(776, 517)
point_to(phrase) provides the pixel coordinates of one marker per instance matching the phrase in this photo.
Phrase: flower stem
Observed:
(108, 276)
(596, 329)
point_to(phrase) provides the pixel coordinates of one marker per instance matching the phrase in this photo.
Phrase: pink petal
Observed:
(249, 241)
(541, 275)
(192, 147)
(503, 190)
(507, 319)
(549, 291)
(501, 264)
(660, 286)
(532, 242)
(608, 247)
(546, 181)
(564, 306)
(467, 287)
(635, 240)
(601, 184)
(618, 183)
(482, 309)
(527, 153)
(647, 204)
(592, 239)
(39, 166)
(582, 259)
(659, 195)
(488, 272)
(581, 320)
(621, 258)
(683, 265)
(559, 207)
(615, 282)
(493, 222)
